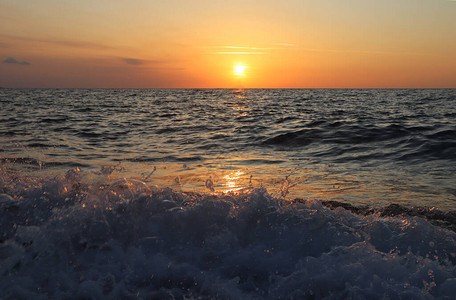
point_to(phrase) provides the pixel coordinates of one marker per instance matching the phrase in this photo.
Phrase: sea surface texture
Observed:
(365, 147)
(227, 194)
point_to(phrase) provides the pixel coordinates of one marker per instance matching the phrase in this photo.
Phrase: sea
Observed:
(227, 193)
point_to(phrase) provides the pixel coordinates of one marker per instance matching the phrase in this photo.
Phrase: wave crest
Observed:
(70, 236)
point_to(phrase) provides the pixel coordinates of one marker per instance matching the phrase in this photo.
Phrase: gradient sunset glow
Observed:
(187, 44)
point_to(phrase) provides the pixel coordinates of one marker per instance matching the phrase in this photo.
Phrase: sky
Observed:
(228, 44)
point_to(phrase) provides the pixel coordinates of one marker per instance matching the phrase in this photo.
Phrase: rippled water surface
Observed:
(86, 212)
(365, 147)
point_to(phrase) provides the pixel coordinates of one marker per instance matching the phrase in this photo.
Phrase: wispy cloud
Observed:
(361, 51)
(240, 52)
(66, 43)
(285, 44)
(133, 61)
(140, 62)
(12, 60)
(247, 50)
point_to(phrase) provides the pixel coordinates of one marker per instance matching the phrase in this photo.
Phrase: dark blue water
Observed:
(86, 211)
(370, 147)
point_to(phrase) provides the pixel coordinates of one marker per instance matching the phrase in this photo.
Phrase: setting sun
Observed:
(239, 70)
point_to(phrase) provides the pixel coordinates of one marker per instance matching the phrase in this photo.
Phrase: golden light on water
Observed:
(287, 183)
(232, 181)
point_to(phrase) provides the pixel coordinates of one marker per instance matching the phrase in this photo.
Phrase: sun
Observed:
(239, 70)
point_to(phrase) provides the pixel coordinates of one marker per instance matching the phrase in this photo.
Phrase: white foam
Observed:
(65, 237)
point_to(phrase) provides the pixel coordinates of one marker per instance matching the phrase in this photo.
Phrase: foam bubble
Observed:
(69, 236)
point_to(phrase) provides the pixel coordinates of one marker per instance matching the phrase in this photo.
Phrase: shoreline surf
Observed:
(63, 237)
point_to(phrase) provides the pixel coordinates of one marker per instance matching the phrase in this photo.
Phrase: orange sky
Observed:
(282, 44)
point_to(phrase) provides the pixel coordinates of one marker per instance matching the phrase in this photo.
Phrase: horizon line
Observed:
(237, 88)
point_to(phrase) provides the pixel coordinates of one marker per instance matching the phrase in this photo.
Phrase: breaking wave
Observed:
(82, 235)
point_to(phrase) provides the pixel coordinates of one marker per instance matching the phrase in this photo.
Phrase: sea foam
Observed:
(79, 236)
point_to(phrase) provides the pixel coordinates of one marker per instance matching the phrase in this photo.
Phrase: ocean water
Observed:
(364, 147)
(227, 194)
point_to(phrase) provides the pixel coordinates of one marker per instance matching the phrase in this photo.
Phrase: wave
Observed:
(79, 236)
(168, 158)
(20, 162)
(403, 142)
(57, 119)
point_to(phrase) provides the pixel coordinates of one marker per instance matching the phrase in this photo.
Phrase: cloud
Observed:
(133, 61)
(65, 43)
(12, 60)
(243, 50)
(240, 52)
(140, 62)
(361, 51)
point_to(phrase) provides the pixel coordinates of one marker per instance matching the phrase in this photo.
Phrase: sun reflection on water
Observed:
(232, 181)
(242, 174)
